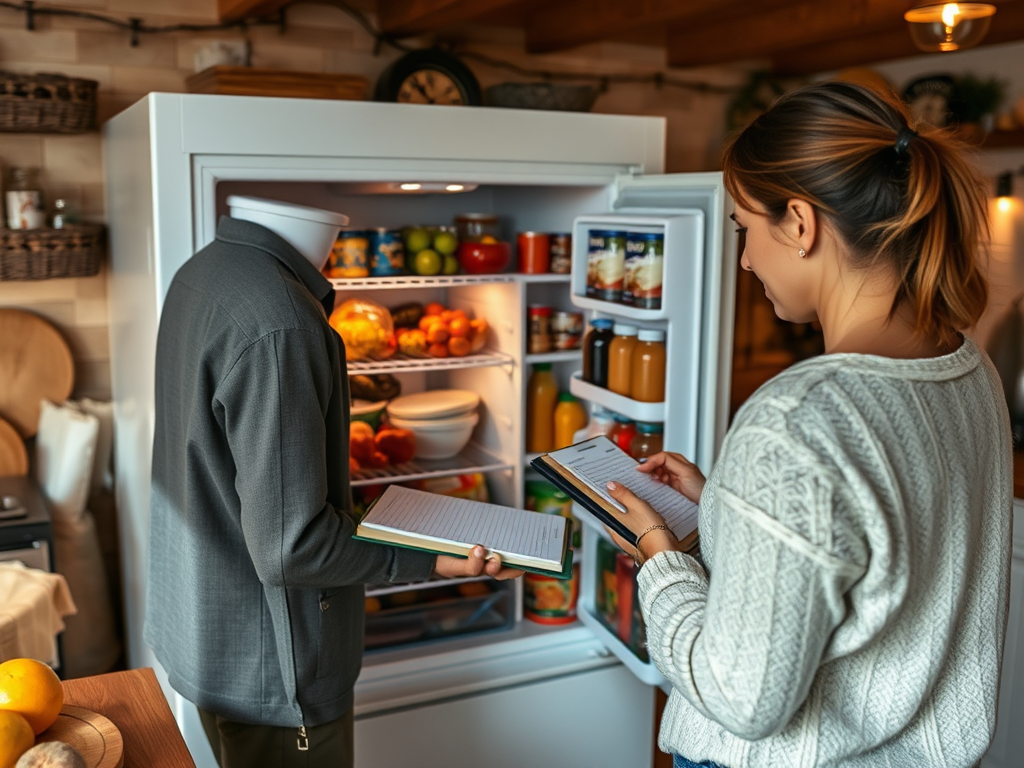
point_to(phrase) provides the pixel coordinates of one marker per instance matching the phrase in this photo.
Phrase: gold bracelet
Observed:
(637, 553)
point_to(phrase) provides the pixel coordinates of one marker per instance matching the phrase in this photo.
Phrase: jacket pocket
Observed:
(341, 630)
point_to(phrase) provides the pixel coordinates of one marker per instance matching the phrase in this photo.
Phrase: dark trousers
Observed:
(242, 745)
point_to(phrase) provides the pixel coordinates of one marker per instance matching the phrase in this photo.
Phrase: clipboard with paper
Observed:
(583, 470)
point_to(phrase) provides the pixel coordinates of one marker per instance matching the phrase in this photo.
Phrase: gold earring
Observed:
(802, 253)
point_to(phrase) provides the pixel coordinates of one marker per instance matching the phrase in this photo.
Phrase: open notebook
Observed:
(445, 525)
(583, 471)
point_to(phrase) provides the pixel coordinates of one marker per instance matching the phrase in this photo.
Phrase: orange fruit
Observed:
(460, 327)
(428, 320)
(437, 333)
(33, 690)
(16, 738)
(433, 308)
(438, 350)
(459, 346)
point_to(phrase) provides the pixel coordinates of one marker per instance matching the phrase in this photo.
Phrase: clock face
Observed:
(429, 86)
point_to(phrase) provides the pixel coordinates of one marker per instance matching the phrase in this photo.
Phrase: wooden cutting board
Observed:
(252, 81)
(96, 738)
(13, 456)
(35, 364)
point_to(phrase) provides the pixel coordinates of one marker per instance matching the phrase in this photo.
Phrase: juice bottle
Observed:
(595, 351)
(648, 378)
(570, 417)
(541, 395)
(648, 440)
(620, 358)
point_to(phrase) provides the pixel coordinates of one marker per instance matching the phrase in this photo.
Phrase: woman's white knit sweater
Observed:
(857, 532)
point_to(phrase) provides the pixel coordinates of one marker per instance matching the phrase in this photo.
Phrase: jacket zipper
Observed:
(303, 740)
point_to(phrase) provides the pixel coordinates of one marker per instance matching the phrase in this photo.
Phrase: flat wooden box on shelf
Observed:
(250, 81)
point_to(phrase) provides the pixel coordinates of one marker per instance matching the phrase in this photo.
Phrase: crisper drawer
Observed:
(608, 603)
(35, 556)
(425, 612)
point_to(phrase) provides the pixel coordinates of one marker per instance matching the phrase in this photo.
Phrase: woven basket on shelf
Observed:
(40, 254)
(42, 103)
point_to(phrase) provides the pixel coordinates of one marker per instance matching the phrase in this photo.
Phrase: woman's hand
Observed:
(639, 517)
(676, 472)
(477, 563)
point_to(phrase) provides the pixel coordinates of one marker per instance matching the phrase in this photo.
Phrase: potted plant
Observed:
(974, 101)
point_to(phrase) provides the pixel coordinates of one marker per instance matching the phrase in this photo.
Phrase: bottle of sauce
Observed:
(647, 441)
(622, 432)
(570, 417)
(541, 396)
(648, 377)
(620, 358)
(595, 351)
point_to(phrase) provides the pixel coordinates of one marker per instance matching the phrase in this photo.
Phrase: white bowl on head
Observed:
(439, 438)
(311, 230)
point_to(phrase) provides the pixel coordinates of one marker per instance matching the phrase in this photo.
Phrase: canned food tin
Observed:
(566, 330)
(606, 259)
(645, 265)
(547, 600)
(350, 256)
(387, 253)
(539, 336)
(561, 253)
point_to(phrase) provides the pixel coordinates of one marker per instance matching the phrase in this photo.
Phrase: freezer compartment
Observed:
(434, 612)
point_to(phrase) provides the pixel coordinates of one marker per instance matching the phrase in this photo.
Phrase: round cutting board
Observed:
(96, 738)
(36, 364)
(13, 457)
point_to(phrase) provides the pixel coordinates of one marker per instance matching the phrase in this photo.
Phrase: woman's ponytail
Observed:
(900, 199)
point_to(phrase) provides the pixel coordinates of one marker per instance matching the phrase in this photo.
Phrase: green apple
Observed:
(451, 264)
(427, 262)
(416, 239)
(445, 243)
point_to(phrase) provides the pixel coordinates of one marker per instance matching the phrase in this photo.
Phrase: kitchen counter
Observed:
(134, 702)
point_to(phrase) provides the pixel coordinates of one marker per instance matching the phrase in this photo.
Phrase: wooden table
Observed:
(135, 703)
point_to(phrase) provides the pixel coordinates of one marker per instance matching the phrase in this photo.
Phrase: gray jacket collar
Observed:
(238, 232)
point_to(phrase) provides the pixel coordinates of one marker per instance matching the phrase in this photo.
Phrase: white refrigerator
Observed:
(527, 694)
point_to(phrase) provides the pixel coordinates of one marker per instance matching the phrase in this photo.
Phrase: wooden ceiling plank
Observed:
(233, 10)
(402, 18)
(1007, 26)
(764, 34)
(557, 26)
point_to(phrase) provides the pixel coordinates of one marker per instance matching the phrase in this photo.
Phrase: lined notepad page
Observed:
(500, 529)
(598, 461)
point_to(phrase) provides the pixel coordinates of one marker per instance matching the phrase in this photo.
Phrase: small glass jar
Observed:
(647, 441)
(24, 200)
(539, 337)
(477, 227)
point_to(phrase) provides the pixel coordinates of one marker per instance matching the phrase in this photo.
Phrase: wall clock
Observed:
(928, 99)
(428, 76)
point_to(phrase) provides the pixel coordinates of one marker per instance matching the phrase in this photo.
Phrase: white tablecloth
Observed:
(32, 606)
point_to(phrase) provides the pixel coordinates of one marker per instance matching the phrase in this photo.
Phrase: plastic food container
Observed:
(436, 404)
(439, 438)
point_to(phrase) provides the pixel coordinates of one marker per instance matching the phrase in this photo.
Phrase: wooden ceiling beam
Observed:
(234, 10)
(758, 35)
(403, 18)
(1007, 26)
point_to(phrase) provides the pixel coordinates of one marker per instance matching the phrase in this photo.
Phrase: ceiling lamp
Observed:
(949, 26)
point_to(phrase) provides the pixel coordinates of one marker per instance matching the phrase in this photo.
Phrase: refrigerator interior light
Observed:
(432, 186)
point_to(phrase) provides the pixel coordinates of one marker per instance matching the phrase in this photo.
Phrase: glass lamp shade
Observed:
(949, 26)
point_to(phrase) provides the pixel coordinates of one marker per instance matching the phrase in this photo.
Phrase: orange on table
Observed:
(33, 690)
(16, 738)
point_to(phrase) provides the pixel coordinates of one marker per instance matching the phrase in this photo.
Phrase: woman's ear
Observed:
(801, 224)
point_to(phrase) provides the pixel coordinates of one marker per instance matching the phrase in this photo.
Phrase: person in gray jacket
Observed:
(256, 589)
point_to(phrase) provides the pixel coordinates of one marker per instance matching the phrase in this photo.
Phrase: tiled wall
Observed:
(318, 38)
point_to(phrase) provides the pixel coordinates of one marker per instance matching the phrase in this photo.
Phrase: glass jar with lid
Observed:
(478, 227)
(24, 200)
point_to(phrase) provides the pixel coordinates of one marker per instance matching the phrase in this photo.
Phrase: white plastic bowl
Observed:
(311, 230)
(439, 438)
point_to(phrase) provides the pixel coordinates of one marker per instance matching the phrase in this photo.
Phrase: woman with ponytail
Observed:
(855, 531)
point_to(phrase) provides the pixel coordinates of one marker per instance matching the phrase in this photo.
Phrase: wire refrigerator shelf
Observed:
(403, 363)
(413, 281)
(473, 458)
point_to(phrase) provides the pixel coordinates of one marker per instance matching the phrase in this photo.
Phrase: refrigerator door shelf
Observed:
(613, 401)
(683, 260)
(473, 458)
(418, 281)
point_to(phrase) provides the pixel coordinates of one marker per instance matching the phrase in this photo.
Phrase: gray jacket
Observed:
(255, 602)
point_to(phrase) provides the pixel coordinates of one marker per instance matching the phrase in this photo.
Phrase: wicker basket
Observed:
(39, 254)
(40, 103)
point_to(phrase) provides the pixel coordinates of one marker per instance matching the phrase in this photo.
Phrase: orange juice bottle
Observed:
(541, 395)
(570, 417)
